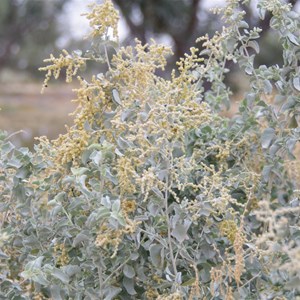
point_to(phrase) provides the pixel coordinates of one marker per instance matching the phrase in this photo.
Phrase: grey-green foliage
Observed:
(65, 233)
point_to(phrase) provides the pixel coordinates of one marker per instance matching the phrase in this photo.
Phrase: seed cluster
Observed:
(72, 63)
(102, 18)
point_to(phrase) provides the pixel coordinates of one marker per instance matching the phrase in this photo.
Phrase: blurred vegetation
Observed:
(182, 21)
(28, 31)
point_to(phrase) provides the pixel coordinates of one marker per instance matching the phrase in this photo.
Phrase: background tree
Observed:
(28, 31)
(185, 20)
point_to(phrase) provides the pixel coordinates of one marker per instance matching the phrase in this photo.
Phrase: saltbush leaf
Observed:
(267, 137)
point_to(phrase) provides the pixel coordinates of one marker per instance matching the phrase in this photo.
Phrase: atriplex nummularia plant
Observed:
(151, 194)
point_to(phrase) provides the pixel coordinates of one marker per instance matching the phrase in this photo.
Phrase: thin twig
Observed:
(169, 223)
(116, 270)
(14, 133)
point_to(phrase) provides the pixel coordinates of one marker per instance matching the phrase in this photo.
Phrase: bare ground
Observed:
(23, 107)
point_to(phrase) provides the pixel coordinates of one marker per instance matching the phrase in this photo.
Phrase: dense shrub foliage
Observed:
(151, 194)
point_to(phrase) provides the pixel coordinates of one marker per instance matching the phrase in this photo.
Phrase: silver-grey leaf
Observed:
(116, 97)
(129, 271)
(267, 137)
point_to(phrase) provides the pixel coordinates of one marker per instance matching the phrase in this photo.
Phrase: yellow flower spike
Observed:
(103, 18)
(71, 63)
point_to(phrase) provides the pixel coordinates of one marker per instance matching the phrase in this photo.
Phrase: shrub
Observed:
(151, 194)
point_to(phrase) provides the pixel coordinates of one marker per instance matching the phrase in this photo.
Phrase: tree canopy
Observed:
(28, 31)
